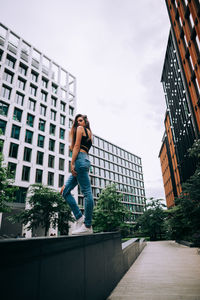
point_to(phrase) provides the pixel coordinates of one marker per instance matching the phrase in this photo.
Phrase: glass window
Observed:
(39, 159)
(61, 164)
(62, 106)
(44, 82)
(40, 142)
(10, 61)
(43, 110)
(71, 111)
(15, 132)
(6, 92)
(21, 83)
(62, 120)
(70, 123)
(17, 115)
(30, 120)
(53, 101)
(33, 90)
(50, 178)
(41, 125)
(51, 161)
(51, 145)
(53, 115)
(31, 104)
(12, 168)
(62, 134)
(19, 98)
(13, 150)
(54, 88)
(60, 180)
(3, 126)
(26, 173)
(52, 129)
(38, 176)
(3, 108)
(62, 148)
(23, 69)
(34, 76)
(29, 136)
(27, 154)
(8, 76)
(43, 96)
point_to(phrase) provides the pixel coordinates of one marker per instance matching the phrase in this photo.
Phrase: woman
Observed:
(81, 142)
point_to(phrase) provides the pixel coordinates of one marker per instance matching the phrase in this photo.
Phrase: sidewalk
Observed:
(164, 270)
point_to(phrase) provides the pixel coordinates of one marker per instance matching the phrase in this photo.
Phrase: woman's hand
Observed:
(73, 170)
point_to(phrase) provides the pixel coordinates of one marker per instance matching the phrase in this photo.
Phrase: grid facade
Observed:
(112, 164)
(37, 107)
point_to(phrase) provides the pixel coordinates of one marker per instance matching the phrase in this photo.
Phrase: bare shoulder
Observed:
(80, 128)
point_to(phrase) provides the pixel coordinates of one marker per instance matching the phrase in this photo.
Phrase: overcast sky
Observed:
(116, 50)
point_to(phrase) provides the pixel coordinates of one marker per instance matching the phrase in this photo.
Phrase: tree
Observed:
(46, 207)
(184, 217)
(7, 189)
(151, 223)
(110, 214)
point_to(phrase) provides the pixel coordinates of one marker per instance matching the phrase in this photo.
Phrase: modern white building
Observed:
(37, 108)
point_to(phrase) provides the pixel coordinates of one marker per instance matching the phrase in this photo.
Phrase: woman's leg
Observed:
(84, 182)
(70, 185)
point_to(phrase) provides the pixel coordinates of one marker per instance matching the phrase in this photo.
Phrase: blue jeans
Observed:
(82, 165)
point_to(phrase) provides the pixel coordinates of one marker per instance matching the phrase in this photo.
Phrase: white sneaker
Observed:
(79, 222)
(83, 230)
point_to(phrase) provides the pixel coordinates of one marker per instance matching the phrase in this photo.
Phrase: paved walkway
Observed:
(164, 271)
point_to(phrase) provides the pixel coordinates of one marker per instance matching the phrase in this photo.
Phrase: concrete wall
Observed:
(70, 267)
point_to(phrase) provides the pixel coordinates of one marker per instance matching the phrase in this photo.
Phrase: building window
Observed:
(71, 111)
(15, 132)
(33, 90)
(34, 76)
(62, 106)
(30, 120)
(44, 82)
(29, 136)
(23, 69)
(40, 142)
(41, 125)
(31, 104)
(19, 99)
(53, 101)
(43, 96)
(60, 180)
(8, 76)
(53, 115)
(10, 61)
(51, 161)
(12, 169)
(3, 126)
(61, 164)
(21, 83)
(38, 176)
(62, 120)
(6, 92)
(13, 150)
(62, 134)
(50, 178)
(27, 154)
(17, 115)
(51, 145)
(3, 108)
(39, 159)
(52, 129)
(43, 110)
(62, 148)
(54, 88)
(25, 173)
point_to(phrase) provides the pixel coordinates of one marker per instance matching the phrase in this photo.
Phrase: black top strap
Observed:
(86, 132)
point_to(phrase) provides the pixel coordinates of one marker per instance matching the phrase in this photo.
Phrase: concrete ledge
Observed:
(186, 243)
(69, 267)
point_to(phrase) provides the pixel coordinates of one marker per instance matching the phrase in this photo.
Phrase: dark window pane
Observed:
(50, 178)
(51, 145)
(2, 126)
(29, 136)
(17, 115)
(15, 133)
(12, 169)
(39, 159)
(25, 173)
(40, 141)
(38, 176)
(27, 154)
(62, 148)
(30, 120)
(61, 180)
(41, 125)
(13, 150)
(3, 108)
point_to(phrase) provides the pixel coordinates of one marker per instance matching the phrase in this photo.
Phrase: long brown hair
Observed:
(74, 129)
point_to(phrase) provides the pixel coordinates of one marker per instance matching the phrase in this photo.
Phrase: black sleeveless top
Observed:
(86, 142)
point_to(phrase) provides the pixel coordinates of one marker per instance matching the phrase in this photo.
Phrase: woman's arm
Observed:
(76, 148)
